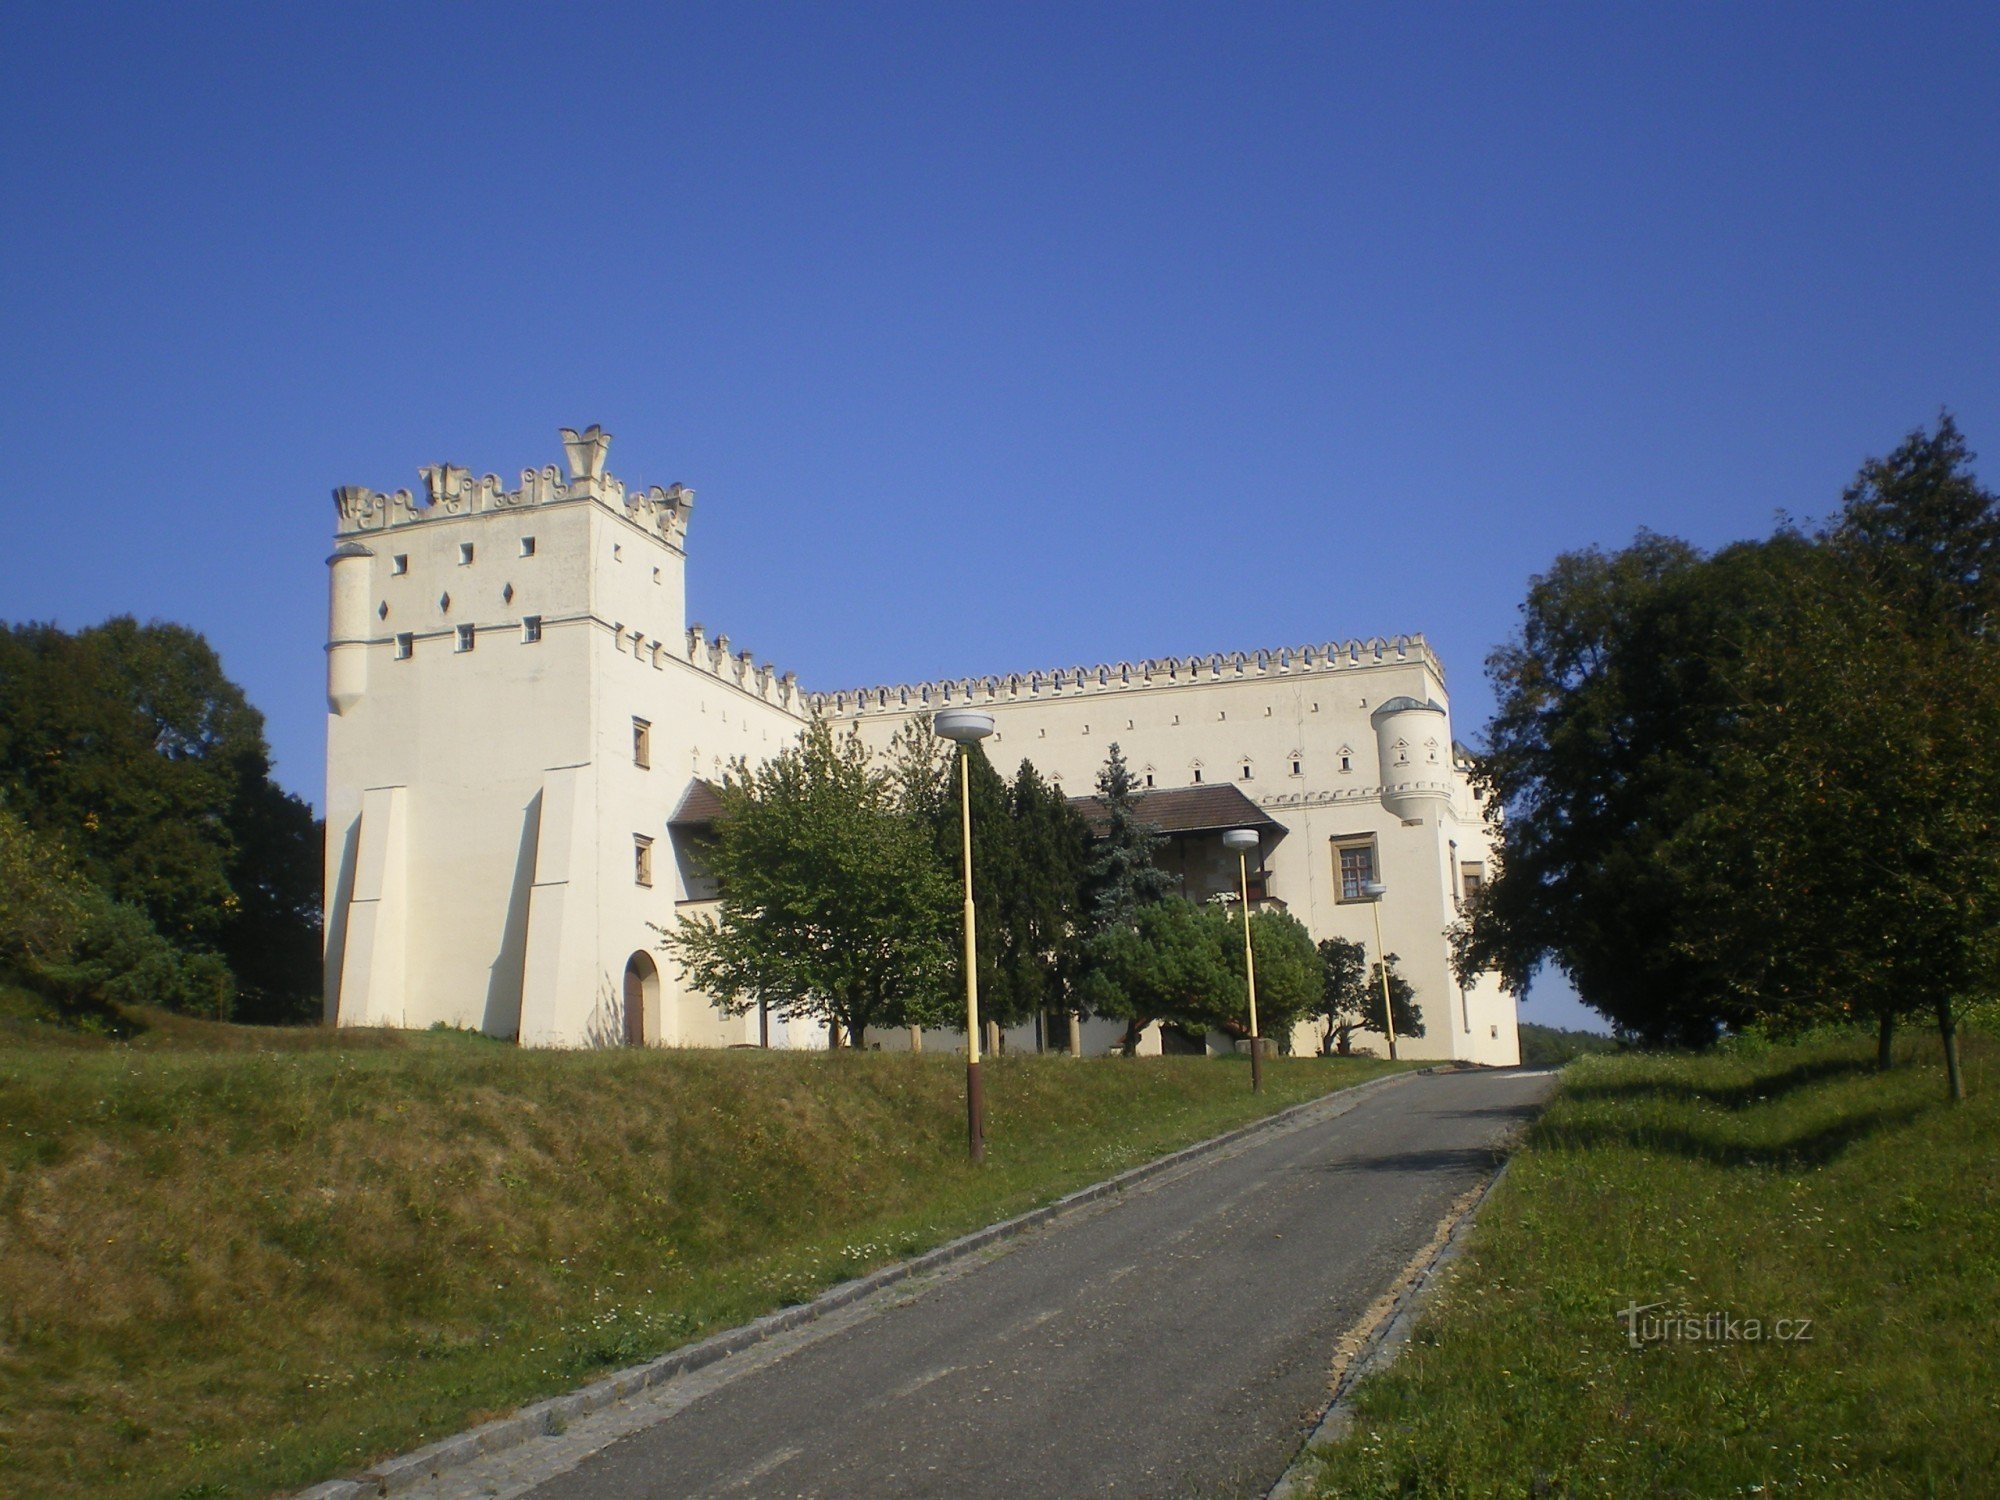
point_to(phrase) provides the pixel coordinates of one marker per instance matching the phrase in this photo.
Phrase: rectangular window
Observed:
(642, 744)
(464, 553)
(464, 638)
(405, 644)
(400, 564)
(531, 629)
(1471, 877)
(1356, 860)
(642, 859)
(527, 546)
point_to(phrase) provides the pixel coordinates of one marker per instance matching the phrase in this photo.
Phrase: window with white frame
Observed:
(464, 638)
(642, 859)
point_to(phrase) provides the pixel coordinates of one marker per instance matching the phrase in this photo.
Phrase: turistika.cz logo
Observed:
(1657, 1323)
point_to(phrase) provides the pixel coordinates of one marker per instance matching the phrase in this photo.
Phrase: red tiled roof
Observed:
(1185, 809)
(700, 806)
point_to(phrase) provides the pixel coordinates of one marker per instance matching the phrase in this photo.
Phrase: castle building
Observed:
(523, 733)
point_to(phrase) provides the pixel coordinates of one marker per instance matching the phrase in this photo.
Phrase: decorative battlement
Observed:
(759, 679)
(452, 491)
(1115, 677)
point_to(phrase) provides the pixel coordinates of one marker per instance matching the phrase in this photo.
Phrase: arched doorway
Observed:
(642, 993)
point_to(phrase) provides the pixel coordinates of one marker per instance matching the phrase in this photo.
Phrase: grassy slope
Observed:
(231, 1261)
(1789, 1183)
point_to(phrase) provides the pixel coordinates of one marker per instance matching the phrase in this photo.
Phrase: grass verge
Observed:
(238, 1261)
(1790, 1183)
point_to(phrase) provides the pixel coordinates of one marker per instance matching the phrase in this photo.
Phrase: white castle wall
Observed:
(482, 804)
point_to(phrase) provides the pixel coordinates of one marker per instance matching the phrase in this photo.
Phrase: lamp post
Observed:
(1374, 890)
(1243, 840)
(965, 727)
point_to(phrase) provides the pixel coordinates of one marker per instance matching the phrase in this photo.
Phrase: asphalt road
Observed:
(1174, 1343)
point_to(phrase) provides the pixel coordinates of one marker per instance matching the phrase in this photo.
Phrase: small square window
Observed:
(464, 553)
(1471, 878)
(642, 744)
(464, 638)
(400, 564)
(527, 546)
(531, 629)
(642, 859)
(1355, 860)
(405, 645)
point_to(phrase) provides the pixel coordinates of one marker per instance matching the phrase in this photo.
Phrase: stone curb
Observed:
(1380, 1351)
(550, 1417)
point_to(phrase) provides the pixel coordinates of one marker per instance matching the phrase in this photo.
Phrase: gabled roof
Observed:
(700, 806)
(1185, 809)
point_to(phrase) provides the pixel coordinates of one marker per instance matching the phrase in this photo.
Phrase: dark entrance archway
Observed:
(642, 991)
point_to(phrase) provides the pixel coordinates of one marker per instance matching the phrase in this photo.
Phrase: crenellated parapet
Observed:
(1125, 676)
(450, 490)
(718, 659)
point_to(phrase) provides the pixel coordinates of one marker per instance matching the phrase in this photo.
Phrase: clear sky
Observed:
(991, 337)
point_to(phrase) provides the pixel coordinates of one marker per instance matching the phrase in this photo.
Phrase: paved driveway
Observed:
(1174, 1342)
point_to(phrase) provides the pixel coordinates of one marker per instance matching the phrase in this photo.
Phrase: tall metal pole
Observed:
(975, 1098)
(1250, 973)
(1382, 962)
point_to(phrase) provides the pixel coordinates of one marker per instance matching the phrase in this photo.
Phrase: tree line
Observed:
(1760, 786)
(838, 875)
(146, 855)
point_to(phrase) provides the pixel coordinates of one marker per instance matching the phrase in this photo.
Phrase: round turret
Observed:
(347, 626)
(1413, 740)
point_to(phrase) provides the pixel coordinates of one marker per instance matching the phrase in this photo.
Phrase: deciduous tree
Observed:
(833, 904)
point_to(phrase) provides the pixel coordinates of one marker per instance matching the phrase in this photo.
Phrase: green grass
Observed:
(1780, 1182)
(234, 1260)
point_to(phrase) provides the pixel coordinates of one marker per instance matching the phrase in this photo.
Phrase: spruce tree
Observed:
(1123, 877)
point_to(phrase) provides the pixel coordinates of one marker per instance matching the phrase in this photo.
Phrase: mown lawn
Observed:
(1791, 1183)
(234, 1261)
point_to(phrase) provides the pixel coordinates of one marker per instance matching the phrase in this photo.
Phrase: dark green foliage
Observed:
(1123, 877)
(1552, 1046)
(1350, 997)
(1029, 857)
(834, 904)
(1760, 786)
(127, 744)
(85, 952)
(1288, 972)
(1170, 963)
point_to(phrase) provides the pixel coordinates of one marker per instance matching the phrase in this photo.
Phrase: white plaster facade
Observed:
(518, 707)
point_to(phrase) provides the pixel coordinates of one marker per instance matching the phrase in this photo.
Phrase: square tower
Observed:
(506, 669)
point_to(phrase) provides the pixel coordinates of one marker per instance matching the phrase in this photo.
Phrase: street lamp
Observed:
(1374, 890)
(1243, 840)
(965, 727)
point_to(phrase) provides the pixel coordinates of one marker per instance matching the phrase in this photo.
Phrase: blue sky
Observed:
(991, 337)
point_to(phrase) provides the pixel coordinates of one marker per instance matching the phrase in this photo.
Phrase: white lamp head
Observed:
(962, 725)
(1242, 840)
(1374, 890)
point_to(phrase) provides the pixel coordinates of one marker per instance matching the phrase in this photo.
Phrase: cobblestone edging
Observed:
(396, 1476)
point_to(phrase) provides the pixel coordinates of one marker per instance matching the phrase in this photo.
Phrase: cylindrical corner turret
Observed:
(1413, 739)
(347, 626)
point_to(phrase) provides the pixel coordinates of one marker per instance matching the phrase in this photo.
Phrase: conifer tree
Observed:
(1123, 876)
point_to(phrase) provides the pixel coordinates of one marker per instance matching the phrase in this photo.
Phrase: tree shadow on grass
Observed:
(1805, 1150)
(1759, 1090)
